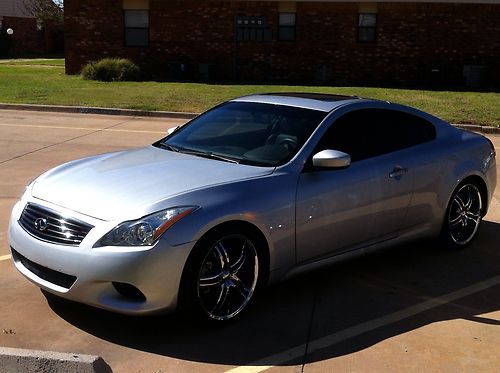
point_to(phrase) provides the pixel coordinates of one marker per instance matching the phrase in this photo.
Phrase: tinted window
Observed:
(370, 132)
(252, 133)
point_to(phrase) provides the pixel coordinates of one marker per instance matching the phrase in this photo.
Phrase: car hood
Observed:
(113, 185)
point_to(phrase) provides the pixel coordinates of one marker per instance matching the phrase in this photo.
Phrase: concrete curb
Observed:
(167, 114)
(99, 110)
(482, 129)
(14, 360)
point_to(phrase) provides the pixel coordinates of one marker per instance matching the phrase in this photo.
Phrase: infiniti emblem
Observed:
(41, 224)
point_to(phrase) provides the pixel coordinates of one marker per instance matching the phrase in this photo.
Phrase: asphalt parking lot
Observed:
(413, 308)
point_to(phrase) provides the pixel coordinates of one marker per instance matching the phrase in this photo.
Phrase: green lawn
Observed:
(44, 82)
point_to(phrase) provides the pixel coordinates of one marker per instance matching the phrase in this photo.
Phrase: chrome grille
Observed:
(48, 225)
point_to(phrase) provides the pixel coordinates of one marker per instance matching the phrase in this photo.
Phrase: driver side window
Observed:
(348, 134)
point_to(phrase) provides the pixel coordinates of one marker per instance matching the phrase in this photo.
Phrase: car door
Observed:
(338, 210)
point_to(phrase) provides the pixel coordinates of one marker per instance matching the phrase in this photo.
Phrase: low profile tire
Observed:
(463, 216)
(221, 276)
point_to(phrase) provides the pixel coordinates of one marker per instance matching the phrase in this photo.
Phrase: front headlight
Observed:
(145, 231)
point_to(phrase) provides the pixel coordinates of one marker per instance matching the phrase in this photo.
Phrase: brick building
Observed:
(390, 42)
(30, 36)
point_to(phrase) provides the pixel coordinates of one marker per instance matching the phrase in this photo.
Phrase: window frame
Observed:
(125, 28)
(374, 28)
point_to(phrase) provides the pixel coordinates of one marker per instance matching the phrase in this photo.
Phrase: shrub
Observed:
(111, 70)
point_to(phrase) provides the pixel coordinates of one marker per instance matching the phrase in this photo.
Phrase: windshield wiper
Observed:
(199, 153)
(208, 155)
(169, 147)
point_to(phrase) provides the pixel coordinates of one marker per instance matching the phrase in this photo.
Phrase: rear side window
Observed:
(368, 133)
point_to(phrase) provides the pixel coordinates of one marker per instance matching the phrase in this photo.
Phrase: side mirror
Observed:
(172, 130)
(331, 159)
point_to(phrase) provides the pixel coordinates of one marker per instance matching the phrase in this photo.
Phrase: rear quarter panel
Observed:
(465, 154)
(474, 157)
(439, 167)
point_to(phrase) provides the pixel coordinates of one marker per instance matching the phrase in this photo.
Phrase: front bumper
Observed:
(156, 271)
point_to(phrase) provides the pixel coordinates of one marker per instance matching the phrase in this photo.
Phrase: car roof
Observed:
(314, 101)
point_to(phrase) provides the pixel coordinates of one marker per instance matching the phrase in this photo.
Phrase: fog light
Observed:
(129, 291)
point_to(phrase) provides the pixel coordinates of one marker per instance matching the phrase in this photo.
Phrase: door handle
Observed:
(398, 172)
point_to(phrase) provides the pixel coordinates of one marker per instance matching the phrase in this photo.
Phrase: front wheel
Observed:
(463, 215)
(221, 276)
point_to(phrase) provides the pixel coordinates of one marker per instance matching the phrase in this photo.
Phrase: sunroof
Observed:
(314, 96)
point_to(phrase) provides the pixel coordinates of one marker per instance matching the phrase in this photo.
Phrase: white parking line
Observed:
(5, 257)
(82, 128)
(342, 335)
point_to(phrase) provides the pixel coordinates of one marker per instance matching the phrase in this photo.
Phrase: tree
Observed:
(51, 11)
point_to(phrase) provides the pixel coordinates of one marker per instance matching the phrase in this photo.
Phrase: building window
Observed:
(367, 27)
(286, 30)
(136, 28)
(252, 29)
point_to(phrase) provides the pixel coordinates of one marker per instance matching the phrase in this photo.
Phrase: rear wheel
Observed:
(221, 276)
(463, 216)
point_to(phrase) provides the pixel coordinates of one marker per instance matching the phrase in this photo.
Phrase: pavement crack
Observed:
(309, 331)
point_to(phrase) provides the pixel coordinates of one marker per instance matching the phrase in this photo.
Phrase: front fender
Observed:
(268, 203)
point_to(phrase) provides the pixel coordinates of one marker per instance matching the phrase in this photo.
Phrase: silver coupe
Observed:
(252, 191)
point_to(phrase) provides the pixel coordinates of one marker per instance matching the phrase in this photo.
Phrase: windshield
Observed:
(246, 132)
